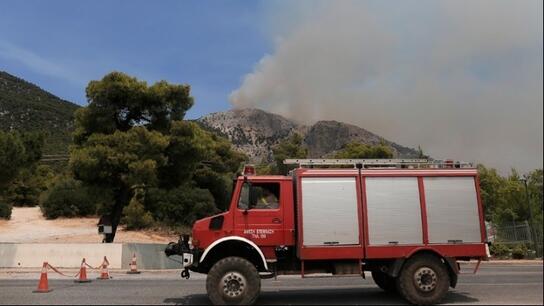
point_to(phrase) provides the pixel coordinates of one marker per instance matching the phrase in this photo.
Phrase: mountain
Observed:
(26, 107)
(255, 132)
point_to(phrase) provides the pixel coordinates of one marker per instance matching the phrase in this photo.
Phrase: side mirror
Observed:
(252, 197)
(247, 196)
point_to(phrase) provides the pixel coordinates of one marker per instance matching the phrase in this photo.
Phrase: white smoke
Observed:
(463, 79)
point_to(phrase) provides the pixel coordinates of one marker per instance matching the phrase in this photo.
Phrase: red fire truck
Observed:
(408, 222)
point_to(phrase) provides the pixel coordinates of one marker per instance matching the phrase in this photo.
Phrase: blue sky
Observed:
(61, 45)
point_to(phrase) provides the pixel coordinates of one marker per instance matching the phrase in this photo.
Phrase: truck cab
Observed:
(259, 220)
(408, 222)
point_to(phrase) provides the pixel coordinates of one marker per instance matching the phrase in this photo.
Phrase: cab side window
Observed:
(267, 195)
(261, 196)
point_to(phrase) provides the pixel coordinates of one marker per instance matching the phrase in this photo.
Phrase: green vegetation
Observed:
(25, 107)
(499, 250)
(132, 137)
(289, 148)
(67, 198)
(360, 150)
(505, 200)
(506, 251)
(135, 215)
(19, 153)
(293, 147)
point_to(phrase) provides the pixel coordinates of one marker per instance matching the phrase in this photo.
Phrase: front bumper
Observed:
(189, 256)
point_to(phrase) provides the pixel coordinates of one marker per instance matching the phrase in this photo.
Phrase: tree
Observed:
(291, 147)
(120, 161)
(536, 191)
(504, 198)
(359, 150)
(18, 151)
(118, 136)
(132, 137)
(119, 102)
(491, 184)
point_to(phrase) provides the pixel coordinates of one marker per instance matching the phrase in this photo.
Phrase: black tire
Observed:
(384, 281)
(233, 281)
(423, 280)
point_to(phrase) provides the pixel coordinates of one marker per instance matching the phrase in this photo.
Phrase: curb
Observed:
(513, 262)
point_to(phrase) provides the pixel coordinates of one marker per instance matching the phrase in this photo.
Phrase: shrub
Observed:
(5, 210)
(25, 190)
(22, 194)
(519, 251)
(135, 216)
(180, 206)
(499, 250)
(66, 198)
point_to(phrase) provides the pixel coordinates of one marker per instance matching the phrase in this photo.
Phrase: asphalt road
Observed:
(494, 284)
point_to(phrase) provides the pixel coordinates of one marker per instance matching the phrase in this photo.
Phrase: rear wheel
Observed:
(384, 281)
(233, 280)
(424, 280)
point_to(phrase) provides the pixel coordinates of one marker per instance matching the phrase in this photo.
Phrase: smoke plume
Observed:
(462, 79)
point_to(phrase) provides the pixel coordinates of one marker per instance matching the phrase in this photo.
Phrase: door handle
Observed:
(276, 220)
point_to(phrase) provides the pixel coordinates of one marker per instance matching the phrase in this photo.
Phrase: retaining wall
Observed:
(69, 255)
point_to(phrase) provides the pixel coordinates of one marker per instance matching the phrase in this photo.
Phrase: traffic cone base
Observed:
(134, 272)
(42, 290)
(103, 278)
(82, 281)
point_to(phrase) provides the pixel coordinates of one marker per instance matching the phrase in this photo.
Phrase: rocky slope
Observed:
(255, 132)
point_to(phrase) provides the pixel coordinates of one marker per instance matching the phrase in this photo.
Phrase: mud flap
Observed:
(395, 267)
(453, 269)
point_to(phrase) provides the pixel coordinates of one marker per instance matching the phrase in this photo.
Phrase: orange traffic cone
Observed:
(43, 285)
(133, 266)
(83, 273)
(104, 274)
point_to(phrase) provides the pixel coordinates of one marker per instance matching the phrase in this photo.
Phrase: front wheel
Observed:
(233, 281)
(424, 280)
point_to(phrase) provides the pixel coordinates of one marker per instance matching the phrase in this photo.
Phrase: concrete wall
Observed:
(148, 256)
(32, 255)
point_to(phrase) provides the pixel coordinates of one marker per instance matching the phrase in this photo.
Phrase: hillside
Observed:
(255, 132)
(27, 107)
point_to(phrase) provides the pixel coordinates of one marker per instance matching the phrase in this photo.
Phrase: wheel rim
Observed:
(233, 284)
(425, 279)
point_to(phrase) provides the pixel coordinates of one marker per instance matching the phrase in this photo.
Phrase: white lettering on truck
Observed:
(259, 233)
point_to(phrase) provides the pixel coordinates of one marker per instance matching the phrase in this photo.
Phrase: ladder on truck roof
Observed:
(377, 162)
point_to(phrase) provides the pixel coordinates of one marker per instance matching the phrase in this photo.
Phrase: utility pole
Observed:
(531, 224)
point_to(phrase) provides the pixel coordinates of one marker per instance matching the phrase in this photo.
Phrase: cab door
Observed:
(259, 213)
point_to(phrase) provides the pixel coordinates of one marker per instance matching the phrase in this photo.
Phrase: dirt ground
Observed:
(28, 225)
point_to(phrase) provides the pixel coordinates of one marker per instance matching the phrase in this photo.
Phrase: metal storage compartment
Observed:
(329, 211)
(394, 210)
(452, 210)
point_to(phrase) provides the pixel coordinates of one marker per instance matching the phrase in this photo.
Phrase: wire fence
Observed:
(517, 233)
